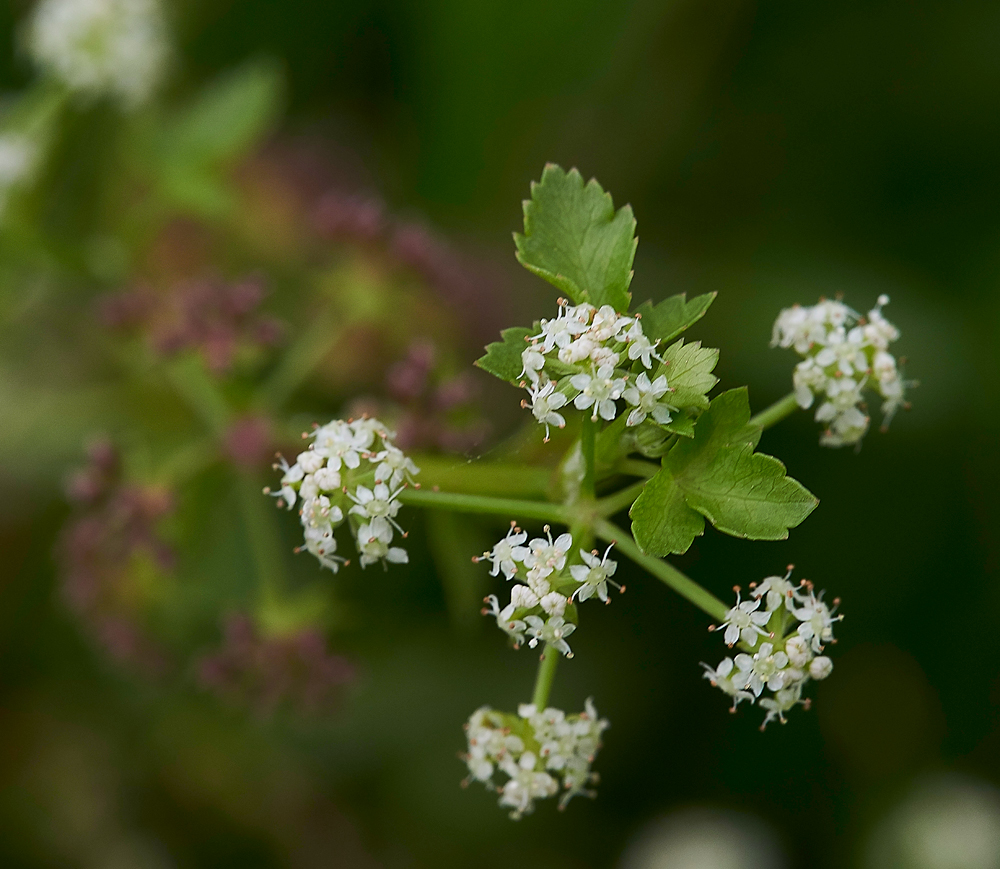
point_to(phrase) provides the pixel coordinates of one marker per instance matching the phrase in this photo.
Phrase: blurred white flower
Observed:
(949, 822)
(97, 47)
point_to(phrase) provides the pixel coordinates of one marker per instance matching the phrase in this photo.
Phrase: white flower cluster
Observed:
(534, 750)
(95, 47)
(351, 471)
(794, 625)
(538, 606)
(588, 356)
(844, 353)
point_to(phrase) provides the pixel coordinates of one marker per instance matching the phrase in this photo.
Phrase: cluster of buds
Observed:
(843, 353)
(353, 472)
(593, 357)
(542, 601)
(534, 750)
(98, 47)
(294, 669)
(220, 320)
(793, 627)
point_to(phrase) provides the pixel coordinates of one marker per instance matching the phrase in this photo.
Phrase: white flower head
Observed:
(95, 47)
(394, 467)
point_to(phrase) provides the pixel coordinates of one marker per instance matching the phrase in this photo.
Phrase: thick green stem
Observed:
(546, 673)
(782, 408)
(508, 507)
(671, 576)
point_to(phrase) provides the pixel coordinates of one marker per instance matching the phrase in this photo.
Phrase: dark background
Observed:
(773, 152)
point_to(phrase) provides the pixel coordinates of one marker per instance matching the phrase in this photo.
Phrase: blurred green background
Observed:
(773, 152)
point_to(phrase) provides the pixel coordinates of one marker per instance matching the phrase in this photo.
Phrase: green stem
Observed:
(637, 468)
(782, 408)
(509, 507)
(671, 576)
(191, 382)
(302, 358)
(546, 673)
(588, 440)
(621, 499)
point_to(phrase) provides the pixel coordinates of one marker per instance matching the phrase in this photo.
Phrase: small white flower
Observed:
(537, 580)
(377, 503)
(532, 363)
(327, 480)
(522, 597)
(545, 401)
(777, 591)
(339, 443)
(373, 545)
(820, 668)
(744, 622)
(817, 621)
(321, 543)
(723, 677)
(514, 628)
(640, 347)
(554, 603)
(782, 701)
(320, 513)
(508, 552)
(553, 632)
(646, 395)
(593, 575)
(798, 650)
(310, 461)
(599, 391)
(549, 554)
(394, 467)
(766, 667)
(607, 323)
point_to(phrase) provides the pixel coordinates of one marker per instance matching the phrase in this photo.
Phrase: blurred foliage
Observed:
(773, 152)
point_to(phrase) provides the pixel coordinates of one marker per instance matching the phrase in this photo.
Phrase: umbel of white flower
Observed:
(117, 48)
(545, 587)
(784, 629)
(844, 354)
(592, 358)
(533, 755)
(352, 472)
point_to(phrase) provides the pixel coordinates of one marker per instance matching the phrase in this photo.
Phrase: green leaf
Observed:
(717, 474)
(226, 119)
(673, 315)
(503, 358)
(682, 424)
(662, 522)
(574, 239)
(688, 368)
